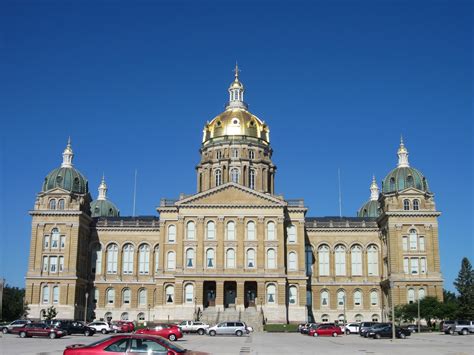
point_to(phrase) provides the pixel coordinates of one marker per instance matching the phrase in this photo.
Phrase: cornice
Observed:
(412, 214)
(127, 229)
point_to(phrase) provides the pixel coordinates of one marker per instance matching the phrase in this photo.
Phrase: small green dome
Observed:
(67, 178)
(402, 178)
(104, 208)
(369, 209)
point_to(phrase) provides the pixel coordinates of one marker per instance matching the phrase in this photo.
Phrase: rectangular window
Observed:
(405, 243)
(61, 263)
(45, 264)
(405, 265)
(414, 266)
(422, 243)
(423, 265)
(56, 294)
(413, 239)
(46, 242)
(63, 241)
(53, 264)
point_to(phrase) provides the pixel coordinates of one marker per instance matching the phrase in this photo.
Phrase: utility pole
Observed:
(85, 307)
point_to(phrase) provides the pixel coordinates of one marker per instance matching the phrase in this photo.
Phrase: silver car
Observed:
(228, 328)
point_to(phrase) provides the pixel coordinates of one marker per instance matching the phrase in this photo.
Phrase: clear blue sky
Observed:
(337, 82)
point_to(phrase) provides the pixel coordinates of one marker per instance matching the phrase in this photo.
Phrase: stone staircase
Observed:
(251, 316)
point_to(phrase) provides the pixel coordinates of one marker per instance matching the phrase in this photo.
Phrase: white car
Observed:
(351, 328)
(100, 326)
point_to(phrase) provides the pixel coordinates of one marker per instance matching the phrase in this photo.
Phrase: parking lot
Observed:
(269, 343)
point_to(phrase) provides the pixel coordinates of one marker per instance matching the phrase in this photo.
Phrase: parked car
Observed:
(74, 327)
(189, 326)
(168, 331)
(101, 326)
(228, 328)
(462, 327)
(326, 329)
(122, 326)
(40, 330)
(352, 328)
(15, 324)
(129, 343)
(364, 327)
(446, 325)
(385, 331)
(306, 328)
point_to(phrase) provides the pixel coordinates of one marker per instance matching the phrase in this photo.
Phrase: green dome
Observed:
(104, 208)
(67, 178)
(402, 178)
(369, 209)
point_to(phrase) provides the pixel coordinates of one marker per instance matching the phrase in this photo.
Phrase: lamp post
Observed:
(418, 314)
(344, 303)
(392, 284)
(85, 308)
(149, 306)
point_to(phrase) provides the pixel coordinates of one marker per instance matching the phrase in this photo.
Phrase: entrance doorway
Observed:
(230, 291)
(209, 294)
(250, 293)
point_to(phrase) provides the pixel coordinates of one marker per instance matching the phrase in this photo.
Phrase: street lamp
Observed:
(85, 308)
(418, 314)
(149, 306)
(344, 303)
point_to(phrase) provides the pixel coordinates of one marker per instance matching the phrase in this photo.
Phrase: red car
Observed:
(131, 343)
(122, 326)
(40, 330)
(326, 329)
(168, 331)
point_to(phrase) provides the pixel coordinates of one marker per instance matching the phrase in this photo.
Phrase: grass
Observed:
(281, 328)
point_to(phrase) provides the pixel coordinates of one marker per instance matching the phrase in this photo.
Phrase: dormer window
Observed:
(410, 181)
(52, 204)
(406, 205)
(416, 205)
(61, 204)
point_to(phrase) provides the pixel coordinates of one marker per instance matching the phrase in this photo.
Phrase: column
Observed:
(179, 243)
(240, 293)
(200, 248)
(220, 251)
(178, 292)
(261, 293)
(240, 236)
(281, 293)
(198, 292)
(220, 294)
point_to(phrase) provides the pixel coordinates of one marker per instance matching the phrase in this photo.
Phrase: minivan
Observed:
(228, 328)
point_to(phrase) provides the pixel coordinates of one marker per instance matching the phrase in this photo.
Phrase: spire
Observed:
(236, 71)
(67, 155)
(102, 189)
(402, 155)
(236, 91)
(374, 190)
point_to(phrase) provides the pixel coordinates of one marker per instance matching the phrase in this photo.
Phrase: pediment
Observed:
(411, 191)
(55, 191)
(231, 194)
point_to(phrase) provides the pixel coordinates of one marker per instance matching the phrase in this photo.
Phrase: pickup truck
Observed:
(189, 326)
(462, 327)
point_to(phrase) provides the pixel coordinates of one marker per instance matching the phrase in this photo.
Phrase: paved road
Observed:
(270, 343)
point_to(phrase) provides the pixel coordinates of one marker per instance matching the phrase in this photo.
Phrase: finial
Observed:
(102, 189)
(374, 190)
(67, 155)
(236, 70)
(402, 155)
(69, 141)
(401, 139)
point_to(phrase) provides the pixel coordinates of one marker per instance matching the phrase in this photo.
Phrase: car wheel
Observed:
(115, 331)
(5, 330)
(172, 337)
(238, 333)
(348, 332)
(377, 336)
(104, 331)
(464, 332)
(334, 334)
(22, 335)
(315, 334)
(402, 336)
(201, 331)
(87, 333)
(212, 333)
(52, 335)
(451, 331)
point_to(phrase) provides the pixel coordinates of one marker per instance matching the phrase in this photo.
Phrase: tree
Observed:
(50, 313)
(464, 283)
(13, 305)
(430, 308)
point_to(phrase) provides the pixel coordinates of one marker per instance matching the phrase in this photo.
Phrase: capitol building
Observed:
(234, 249)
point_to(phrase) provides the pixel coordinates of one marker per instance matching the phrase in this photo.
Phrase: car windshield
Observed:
(100, 341)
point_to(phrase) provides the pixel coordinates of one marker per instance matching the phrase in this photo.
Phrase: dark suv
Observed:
(384, 330)
(73, 327)
(364, 327)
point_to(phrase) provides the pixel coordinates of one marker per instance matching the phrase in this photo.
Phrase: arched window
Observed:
(252, 179)
(406, 205)
(144, 259)
(55, 294)
(413, 239)
(108, 316)
(325, 318)
(411, 295)
(373, 260)
(172, 234)
(231, 231)
(323, 256)
(127, 260)
(190, 258)
(374, 298)
(52, 204)
(291, 231)
(340, 257)
(421, 293)
(190, 231)
(169, 294)
(234, 175)
(211, 230)
(124, 316)
(271, 262)
(55, 238)
(141, 317)
(157, 258)
(230, 258)
(292, 261)
(210, 258)
(250, 258)
(375, 317)
(61, 204)
(271, 293)
(171, 260)
(356, 255)
(126, 296)
(293, 295)
(392, 184)
(142, 297)
(218, 177)
(46, 294)
(112, 256)
(251, 230)
(416, 205)
(324, 298)
(271, 235)
(96, 295)
(358, 318)
(110, 296)
(189, 293)
(410, 181)
(357, 298)
(341, 318)
(341, 298)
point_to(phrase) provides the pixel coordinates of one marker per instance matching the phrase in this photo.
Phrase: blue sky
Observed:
(133, 83)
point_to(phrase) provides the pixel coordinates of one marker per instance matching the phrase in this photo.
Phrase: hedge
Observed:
(281, 328)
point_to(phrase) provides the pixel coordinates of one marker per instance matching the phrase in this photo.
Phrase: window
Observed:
(410, 181)
(356, 254)
(340, 257)
(421, 243)
(341, 298)
(414, 266)
(211, 230)
(112, 255)
(190, 258)
(144, 259)
(271, 292)
(55, 238)
(323, 256)
(292, 261)
(324, 298)
(250, 258)
(271, 231)
(271, 262)
(45, 264)
(61, 204)
(421, 293)
(406, 205)
(46, 242)
(252, 179)
(210, 258)
(375, 318)
(56, 294)
(126, 296)
(169, 294)
(325, 318)
(405, 243)
(411, 295)
(235, 152)
(292, 295)
(416, 205)
(405, 265)
(52, 204)
(357, 298)
(413, 239)
(218, 177)
(230, 258)
(172, 234)
(374, 298)
(190, 231)
(62, 243)
(423, 265)
(171, 260)
(142, 297)
(124, 316)
(373, 260)
(127, 259)
(97, 260)
(96, 295)
(358, 318)
(61, 263)
(110, 295)
(291, 231)
(108, 317)
(53, 264)
(392, 184)
(231, 231)
(251, 230)
(234, 175)
(46, 294)
(157, 259)
(141, 318)
(251, 154)
(189, 293)
(219, 154)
